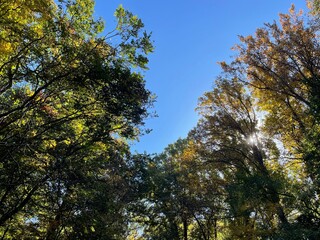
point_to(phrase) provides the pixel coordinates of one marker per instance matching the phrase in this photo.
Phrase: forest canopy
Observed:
(250, 168)
(70, 101)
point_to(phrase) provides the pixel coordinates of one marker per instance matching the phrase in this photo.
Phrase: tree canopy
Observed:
(70, 101)
(250, 168)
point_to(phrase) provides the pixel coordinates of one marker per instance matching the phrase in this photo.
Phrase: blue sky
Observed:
(190, 37)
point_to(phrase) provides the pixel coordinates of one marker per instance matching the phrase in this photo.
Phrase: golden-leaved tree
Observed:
(274, 165)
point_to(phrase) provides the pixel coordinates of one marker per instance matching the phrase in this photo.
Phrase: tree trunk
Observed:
(185, 229)
(215, 229)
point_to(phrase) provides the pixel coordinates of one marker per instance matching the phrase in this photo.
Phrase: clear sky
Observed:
(190, 37)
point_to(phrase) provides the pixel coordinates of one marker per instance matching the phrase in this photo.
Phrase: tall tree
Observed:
(230, 140)
(68, 101)
(181, 202)
(280, 65)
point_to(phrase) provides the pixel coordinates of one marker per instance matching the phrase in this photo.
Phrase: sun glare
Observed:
(254, 139)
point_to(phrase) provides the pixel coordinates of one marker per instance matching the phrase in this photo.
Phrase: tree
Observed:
(280, 65)
(230, 141)
(182, 200)
(68, 102)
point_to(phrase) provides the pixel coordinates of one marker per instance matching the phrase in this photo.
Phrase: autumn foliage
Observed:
(70, 101)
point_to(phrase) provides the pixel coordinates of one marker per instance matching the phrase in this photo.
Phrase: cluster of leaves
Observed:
(68, 102)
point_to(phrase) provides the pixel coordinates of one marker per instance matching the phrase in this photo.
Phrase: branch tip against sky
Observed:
(190, 37)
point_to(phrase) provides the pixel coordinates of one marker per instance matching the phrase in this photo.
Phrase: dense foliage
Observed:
(70, 100)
